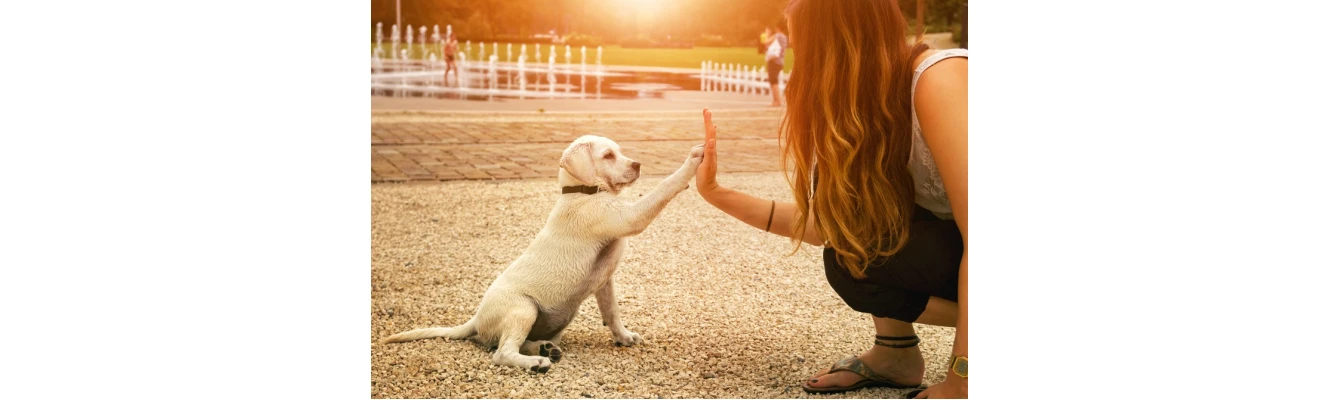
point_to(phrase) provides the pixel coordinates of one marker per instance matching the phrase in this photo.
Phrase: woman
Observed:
(875, 146)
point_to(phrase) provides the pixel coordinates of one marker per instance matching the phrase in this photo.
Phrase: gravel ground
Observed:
(725, 312)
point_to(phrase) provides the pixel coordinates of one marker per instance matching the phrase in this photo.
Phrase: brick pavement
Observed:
(445, 147)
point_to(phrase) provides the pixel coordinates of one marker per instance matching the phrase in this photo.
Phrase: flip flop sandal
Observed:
(854, 365)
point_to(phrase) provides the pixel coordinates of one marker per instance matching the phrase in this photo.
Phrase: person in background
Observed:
(449, 55)
(776, 61)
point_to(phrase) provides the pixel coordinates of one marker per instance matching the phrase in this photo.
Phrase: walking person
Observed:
(449, 55)
(776, 61)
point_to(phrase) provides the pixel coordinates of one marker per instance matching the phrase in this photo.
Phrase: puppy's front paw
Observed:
(541, 364)
(627, 338)
(696, 151)
(695, 156)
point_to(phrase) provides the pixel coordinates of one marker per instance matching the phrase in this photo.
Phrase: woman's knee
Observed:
(873, 299)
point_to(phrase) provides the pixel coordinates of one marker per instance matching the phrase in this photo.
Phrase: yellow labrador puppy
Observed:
(527, 307)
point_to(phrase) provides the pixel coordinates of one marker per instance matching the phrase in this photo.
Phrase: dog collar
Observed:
(580, 189)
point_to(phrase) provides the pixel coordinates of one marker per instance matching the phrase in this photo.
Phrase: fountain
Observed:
(437, 38)
(423, 36)
(509, 61)
(521, 66)
(461, 80)
(552, 48)
(377, 63)
(493, 73)
(400, 69)
(395, 41)
(404, 55)
(409, 36)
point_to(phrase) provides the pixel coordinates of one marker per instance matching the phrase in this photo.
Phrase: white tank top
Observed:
(930, 189)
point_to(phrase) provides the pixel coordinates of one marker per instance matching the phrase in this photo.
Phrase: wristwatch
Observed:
(959, 365)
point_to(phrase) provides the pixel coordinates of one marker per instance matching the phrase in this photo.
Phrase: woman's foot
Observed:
(904, 366)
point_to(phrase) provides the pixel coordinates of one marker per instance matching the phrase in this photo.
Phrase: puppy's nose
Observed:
(637, 166)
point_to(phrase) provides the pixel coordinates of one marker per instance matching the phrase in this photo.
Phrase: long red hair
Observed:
(850, 115)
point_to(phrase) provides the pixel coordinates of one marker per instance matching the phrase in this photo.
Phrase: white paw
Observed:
(696, 151)
(695, 156)
(539, 364)
(627, 338)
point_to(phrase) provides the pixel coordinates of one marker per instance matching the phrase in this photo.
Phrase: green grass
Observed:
(615, 55)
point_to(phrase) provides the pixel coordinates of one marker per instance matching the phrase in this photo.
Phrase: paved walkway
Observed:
(446, 146)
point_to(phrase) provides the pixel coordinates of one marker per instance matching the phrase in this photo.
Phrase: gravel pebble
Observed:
(723, 307)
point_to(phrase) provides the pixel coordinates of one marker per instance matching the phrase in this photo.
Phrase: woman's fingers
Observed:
(708, 127)
(710, 140)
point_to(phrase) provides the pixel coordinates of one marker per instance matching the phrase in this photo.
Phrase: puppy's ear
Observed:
(577, 161)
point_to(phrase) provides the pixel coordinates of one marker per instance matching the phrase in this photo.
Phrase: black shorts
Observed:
(774, 69)
(899, 286)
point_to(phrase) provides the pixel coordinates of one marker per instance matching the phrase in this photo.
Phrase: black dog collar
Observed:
(580, 189)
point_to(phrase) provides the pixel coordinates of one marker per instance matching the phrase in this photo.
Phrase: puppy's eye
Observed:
(609, 156)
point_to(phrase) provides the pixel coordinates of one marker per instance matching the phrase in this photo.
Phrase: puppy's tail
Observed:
(455, 333)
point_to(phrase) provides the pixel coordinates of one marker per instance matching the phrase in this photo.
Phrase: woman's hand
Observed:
(706, 178)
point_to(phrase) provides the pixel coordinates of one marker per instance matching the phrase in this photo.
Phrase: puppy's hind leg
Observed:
(543, 348)
(512, 331)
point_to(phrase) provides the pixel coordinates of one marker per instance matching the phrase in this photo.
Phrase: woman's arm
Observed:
(744, 207)
(942, 110)
(754, 211)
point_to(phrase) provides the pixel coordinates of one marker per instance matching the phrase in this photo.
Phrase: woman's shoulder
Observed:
(934, 57)
(938, 67)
